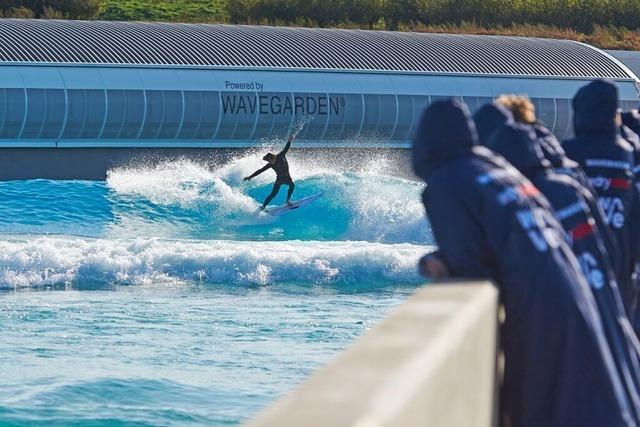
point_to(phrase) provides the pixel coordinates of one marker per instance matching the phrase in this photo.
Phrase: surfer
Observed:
(278, 162)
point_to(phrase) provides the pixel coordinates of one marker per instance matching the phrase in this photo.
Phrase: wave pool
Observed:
(161, 297)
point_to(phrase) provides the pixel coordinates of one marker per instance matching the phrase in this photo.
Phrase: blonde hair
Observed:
(520, 106)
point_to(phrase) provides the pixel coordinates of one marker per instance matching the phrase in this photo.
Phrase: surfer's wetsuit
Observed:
(281, 168)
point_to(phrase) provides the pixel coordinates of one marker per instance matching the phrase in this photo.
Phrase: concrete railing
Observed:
(431, 362)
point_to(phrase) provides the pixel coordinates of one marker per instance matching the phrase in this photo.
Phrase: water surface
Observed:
(160, 297)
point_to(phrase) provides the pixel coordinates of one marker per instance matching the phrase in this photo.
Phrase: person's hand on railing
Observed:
(431, 266)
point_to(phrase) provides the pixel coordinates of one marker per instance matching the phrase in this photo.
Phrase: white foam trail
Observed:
(181, 183)
(166, 183)
(379, 207)
(49, 261)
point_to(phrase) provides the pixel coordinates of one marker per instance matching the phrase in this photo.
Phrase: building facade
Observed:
(113, 85)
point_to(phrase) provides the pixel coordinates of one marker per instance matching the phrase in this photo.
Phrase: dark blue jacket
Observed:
(491, 222)
(631, 136)
(520, 146)
(490, 117)
(630, 131)
(607, 159)
(561, 164)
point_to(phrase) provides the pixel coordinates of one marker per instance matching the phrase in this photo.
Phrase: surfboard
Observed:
(279, 210)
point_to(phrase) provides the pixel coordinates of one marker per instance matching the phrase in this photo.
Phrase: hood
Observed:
(550, 146)
(489, 118)
(595, 106)
(445, 131)
(630, 129)
(630, 136)
(631, 119)
(518, 144)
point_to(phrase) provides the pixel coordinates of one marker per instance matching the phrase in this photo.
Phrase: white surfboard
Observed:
(279, 210)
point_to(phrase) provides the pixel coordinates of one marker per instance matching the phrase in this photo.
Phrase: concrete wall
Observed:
(431, 362)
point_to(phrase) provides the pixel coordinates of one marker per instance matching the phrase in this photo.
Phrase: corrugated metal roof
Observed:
(137, 43)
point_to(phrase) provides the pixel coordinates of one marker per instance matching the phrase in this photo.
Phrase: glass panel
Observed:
(76, 112)
(269, 106)
(337, 116)
(388, 116)
(96, 109)
(232, 102)
(134, 114)
(314, 112)
(563, 120)
(116, 112)
(353, 110)
(154, 114)
(435, 98)
(210, 115)
(36, 111)
(246, 112)
(547, 113)
(405, 115)
(3, 109)
(172, 114)
(54, 116)
(420, 103)
(192, 115)
(537, 105)
(15, 101)
(371, 116)
(281, 104)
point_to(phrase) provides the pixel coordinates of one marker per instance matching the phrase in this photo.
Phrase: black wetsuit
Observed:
(281, 168)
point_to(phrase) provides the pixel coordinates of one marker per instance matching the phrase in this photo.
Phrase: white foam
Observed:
(377, 206)
(48, 261)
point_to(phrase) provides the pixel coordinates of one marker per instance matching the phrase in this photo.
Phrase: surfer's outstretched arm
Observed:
(287, 146)
(258, 172)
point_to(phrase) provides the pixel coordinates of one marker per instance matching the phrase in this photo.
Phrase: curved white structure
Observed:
(111, 84)
(78, 98)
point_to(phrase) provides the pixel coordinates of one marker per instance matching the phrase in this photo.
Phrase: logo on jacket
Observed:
(538, 225)
(604, 183)
(513, 193)
(589, 266)
(613, 211)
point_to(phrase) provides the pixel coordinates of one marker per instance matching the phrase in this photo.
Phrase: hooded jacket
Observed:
(608, 162)
(491, 222)
(630, 131)
(562, 165)
(489, 118)
(519, 146)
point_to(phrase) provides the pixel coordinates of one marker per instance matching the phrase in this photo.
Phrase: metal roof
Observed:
(236, 46)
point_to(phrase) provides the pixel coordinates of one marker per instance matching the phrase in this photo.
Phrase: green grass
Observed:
(163, 10)
(608, 24)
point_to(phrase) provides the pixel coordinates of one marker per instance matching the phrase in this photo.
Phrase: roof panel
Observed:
(162, 44)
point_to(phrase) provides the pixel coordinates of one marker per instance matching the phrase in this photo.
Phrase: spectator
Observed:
(489, 118)
(607, 160)
(524, 112)
(489, 221)
(518, 144)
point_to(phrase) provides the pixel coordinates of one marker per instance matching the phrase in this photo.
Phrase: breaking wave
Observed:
(62, 261)
(182, 221)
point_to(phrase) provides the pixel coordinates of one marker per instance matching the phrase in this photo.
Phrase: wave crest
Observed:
(59, 261)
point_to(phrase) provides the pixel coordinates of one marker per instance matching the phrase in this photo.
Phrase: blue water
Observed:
(161, 297)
